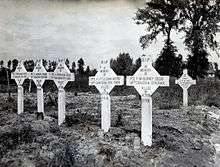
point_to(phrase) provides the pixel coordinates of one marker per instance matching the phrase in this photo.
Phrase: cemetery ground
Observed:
(182, 136)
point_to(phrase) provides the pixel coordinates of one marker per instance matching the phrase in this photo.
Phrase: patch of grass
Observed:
(213, 100)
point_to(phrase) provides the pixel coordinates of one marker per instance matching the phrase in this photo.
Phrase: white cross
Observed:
(19, 75)
(39, 75)
(105, 80)
(61, 76)
(185, 81)
(146, 80)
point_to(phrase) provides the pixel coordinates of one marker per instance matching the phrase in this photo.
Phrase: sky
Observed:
(91, 29)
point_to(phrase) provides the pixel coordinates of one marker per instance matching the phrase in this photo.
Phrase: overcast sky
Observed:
(93, 30)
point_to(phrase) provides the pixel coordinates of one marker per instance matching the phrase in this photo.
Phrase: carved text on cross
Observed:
(146, 80)
(185, 81)
(105, 79)
(19, 68)
(60, 67)
(38, 68)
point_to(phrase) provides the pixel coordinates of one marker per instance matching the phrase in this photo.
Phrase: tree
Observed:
(217, 72)
(8, 74)
(1, 64)
(136, 66)
(14, 64)
(29, 65)
(73, 69)
(200, 24)
(9, 64)
(81, 66)
(53, 65)
(122, 65)
(46, 64)
(160, 16)
(67, 62)
(93, 72)
(87, 72)
(168, 63)
(201, 18)
(198, 64)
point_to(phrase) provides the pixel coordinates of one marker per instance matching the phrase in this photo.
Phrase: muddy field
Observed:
(181, 137)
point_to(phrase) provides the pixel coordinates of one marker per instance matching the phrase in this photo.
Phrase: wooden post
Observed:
(146, 116)
(20, 99)
(185, 97)
(61, 106)
(105, 112)
(40, 99)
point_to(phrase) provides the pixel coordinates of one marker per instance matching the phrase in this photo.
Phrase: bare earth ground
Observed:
(181, 137)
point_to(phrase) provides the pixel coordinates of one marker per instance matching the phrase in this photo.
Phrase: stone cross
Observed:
(39, 75)
(104, 81)
(185, 81)
(19, 75)
(146, 80)
(61, 76)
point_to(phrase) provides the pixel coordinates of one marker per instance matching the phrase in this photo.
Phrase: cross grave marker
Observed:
(39, 75)
(185, 81)
(19, 75)
(146, 80)
(61, 76)
(104, 81)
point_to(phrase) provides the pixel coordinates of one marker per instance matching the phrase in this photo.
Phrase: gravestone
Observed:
(146, 80)
(61, 76)
(104, 81)
(39, 75)
(185, 81)
(19, 75)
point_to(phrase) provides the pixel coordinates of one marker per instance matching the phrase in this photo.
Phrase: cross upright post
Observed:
(105, 80)
(39, 75)
(19, 75)
(61, 76)
(146, 80)
(185, 81)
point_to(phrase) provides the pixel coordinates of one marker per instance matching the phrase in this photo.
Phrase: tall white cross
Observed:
(61, 76)
(146, 80)
(19, 75)
(39, 75)
(185, 81)
(105, 80)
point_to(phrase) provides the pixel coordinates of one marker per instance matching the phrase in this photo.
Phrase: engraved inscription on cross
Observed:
(39, 75)
(185, 81)
(105, 79)
(146, 80)
(20, 74)
(61, 76)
